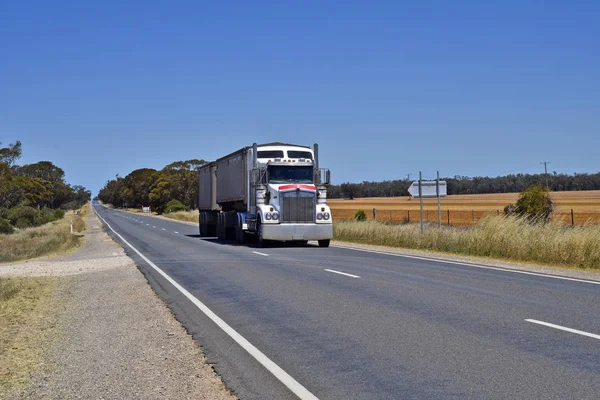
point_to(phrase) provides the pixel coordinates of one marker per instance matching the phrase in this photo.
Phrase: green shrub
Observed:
(360, 216)
(4, 213)
(25, 214)
(58, 214)
(534, 203)
(5, 226)
(23, 223)
(174, 206)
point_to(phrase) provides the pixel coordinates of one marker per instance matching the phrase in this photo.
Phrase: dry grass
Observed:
(465, 209)
(496, 237)
(187, 216)
(54, 237)
(27, 311)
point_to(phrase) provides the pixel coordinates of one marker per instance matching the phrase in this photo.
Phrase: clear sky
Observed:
(386, 87)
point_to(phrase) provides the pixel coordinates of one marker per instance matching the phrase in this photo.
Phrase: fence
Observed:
(454, 217)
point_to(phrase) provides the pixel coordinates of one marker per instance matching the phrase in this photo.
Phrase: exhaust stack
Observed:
(255, 155)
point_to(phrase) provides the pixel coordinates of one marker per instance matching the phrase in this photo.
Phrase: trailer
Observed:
(274, 191)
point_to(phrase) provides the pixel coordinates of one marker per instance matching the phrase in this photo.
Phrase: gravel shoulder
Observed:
(113, 337)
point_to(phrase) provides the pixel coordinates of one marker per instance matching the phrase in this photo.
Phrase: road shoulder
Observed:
(479, 261)
(114, 337)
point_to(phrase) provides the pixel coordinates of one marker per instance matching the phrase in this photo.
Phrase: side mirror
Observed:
(323, 176)
(258, 176)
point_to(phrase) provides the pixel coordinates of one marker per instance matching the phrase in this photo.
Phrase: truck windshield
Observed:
(289, 174)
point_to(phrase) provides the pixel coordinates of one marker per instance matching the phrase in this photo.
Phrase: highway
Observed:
(339, 323)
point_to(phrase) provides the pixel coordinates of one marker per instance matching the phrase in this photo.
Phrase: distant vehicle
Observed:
(273, 191)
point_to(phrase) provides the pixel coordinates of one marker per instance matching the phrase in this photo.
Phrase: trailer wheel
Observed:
(202, 225)
(220, 235)
(324, 243)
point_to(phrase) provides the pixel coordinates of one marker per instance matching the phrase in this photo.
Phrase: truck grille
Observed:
(297, 206)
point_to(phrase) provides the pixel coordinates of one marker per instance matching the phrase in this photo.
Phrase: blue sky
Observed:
(387, 88)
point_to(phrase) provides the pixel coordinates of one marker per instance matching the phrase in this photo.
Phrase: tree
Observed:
(10, 154)
(534, 203)
(350, 190)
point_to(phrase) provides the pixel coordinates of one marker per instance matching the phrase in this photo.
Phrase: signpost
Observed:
(429, 189)
(420, 198)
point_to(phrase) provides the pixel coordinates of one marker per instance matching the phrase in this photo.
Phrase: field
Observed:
(461, 210)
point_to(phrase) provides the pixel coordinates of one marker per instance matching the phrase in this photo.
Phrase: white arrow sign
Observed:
(427, 189)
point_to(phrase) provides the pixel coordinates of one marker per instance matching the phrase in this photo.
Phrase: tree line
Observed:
(172, 188)
(30, 194)
(467, 185)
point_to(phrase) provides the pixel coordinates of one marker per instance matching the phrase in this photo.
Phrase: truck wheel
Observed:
(239, 231)
(202, 225)
(220, 226)
(324, 243)
(260, 242)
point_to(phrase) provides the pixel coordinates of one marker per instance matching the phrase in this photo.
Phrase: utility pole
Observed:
(546, 172)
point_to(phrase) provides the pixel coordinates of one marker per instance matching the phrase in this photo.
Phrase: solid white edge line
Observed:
(260, 254)
(273, 368)
(564, 328)
(469, 265)
(342, 273)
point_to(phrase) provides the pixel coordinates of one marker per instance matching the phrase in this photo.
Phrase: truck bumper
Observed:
(297, 231)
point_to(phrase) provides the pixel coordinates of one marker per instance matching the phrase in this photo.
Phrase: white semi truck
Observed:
(274, 191)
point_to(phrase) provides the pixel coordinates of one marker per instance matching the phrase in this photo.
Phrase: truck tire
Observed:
(220, 229)
(240, 236)
(202, 225)
(324, 243)
(260, 242)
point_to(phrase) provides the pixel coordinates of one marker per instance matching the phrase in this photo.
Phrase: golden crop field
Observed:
(465, 209)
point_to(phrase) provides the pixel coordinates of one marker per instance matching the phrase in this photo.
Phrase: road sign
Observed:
(427, 189)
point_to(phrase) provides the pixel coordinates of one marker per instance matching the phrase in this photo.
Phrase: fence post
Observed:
(448, 217)
(572, 218)
(374, 215)
(391, 219)
(408, 212)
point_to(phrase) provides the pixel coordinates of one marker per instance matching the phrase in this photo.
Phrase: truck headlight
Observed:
(326, 216)
(268, 216)
(319, 216)
(275, 216)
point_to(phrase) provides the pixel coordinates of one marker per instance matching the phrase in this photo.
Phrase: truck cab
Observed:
(295, 197)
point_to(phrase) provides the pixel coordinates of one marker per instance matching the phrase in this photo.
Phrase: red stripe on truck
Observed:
(293, 187)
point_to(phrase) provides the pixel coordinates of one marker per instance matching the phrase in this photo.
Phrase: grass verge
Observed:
(27, 312)
(187, 216)
(54, 237)
(495, 237)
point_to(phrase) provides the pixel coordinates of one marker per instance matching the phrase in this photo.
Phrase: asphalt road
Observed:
(348, 324)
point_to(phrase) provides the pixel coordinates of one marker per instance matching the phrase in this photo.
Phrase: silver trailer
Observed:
(274, 191)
